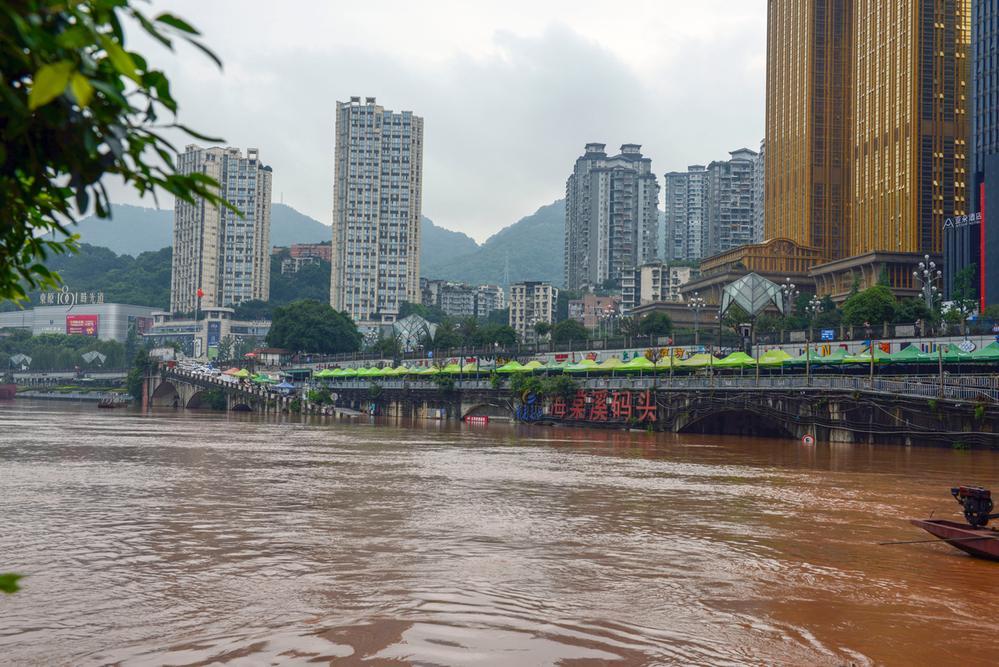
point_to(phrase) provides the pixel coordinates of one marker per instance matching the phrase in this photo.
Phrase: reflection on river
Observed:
(188, 538)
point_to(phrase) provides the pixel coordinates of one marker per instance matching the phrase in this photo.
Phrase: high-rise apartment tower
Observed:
(728, 203)
(611, 215)
(223, 253)
(685, 213)
(377, 193)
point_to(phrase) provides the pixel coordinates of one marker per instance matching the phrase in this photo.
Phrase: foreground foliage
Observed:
(77, 107)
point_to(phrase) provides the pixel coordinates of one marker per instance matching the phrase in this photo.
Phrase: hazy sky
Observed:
(510, 91)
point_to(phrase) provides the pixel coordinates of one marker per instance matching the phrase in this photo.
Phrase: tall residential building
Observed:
(377, 193)
(489, 298)
(654, 282)
(531, 303)
(455, 299)
(808, 122)
(595, 312)
(974, 239)
(223, 253)
(685, 213)
(459, 300)
(611, 215)
(728, 203)
(759, 194)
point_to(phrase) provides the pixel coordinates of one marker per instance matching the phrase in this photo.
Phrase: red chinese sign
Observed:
(606, 406)
(82, 325)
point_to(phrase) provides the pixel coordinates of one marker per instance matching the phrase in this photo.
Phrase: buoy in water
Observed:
(807, 439)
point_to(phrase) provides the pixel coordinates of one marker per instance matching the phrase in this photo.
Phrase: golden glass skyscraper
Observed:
(866, 123)
(911, 127)
(808, 123)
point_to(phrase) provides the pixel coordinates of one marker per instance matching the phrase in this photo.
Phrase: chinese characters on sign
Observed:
(606, 406)
(963, 220)
(65, 297)
(82, 325)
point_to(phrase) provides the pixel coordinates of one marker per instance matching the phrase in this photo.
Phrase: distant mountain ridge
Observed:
(530, 249)
(133, 229)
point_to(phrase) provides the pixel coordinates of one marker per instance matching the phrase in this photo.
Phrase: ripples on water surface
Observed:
(199, 539)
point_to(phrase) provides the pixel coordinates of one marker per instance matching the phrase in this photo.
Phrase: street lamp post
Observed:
(790, 292)
(927, 275)
(812, 309)
(696, 303)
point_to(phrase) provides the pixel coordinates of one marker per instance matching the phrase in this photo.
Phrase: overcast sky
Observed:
(510, 91)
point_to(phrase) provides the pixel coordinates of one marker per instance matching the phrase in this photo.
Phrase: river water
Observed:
(184, 538)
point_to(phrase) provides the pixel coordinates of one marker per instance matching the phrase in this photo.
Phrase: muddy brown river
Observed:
(189, 539)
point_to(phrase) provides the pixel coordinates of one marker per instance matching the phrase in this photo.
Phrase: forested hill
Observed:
(532, 248)
(145, 280)
(133, 229)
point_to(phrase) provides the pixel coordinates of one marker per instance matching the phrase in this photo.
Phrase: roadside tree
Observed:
(312, 326)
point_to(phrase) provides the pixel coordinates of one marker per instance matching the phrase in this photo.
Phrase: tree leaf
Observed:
(8, 582)
(208, 52)
(82, 90)
(120, 59)
(177, 22)
(50, 82)
(198, 135)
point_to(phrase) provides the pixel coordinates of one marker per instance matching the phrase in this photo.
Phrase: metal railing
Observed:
(976, 388)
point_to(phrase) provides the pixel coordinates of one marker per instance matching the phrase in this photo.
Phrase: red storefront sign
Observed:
(606, 406)
(82, 325)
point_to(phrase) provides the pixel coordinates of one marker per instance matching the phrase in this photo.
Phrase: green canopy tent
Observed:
(609, 365)
(736, 360)
(864, 357)
(700, 360)
(470, 369)
(988, 354)
(451, 369)
(432, 370)
(773, 358)
(555, 366)
(637, 365)
(348, 373)
(834, 358)
(242, 374)
(584, 366)
(511, 367)
(912, 355)
(952, 354)
(263, 379)
(534, 365)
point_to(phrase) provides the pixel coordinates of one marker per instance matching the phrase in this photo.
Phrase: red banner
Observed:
(82, 325)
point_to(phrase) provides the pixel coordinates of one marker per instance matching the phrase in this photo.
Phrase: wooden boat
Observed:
(979, 542)
(974, 537)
